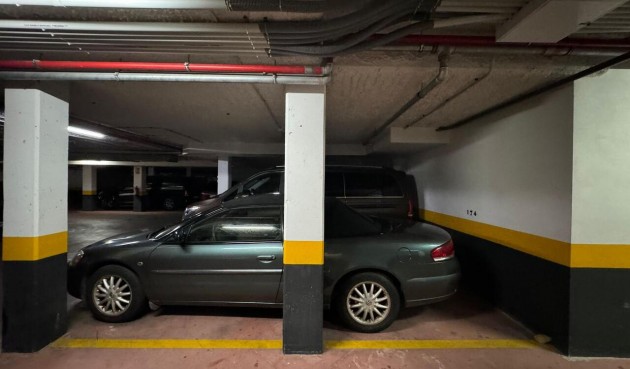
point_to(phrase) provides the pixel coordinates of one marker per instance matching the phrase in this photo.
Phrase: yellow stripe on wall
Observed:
(304, 252)
(34, 248)
(600, 256)
(556, 251)
(559, 252)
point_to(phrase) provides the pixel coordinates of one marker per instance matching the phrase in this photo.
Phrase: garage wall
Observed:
(509, 168)
(503, 187)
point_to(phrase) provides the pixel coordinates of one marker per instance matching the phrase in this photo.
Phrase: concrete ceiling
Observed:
(210, 119)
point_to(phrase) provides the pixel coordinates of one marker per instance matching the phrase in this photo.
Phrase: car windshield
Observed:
(163, 231)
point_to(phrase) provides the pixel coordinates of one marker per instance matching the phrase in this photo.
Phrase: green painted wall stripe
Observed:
(277, 344)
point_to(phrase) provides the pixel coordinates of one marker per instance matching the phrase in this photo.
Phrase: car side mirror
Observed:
(181, 237)
(178, 237)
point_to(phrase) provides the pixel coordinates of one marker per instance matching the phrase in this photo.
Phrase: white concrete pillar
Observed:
(224, 178)
(140, 188)
(305, 142)
(89, 187)
(35, 231)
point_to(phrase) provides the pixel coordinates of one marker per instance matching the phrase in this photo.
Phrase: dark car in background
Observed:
(159, 196)
(370, 190)
(232, 256)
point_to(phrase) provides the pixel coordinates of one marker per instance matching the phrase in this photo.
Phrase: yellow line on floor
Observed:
(277, 344)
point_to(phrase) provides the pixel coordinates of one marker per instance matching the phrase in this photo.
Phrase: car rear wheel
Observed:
(368, 302)
(168, 203)
(114, 295)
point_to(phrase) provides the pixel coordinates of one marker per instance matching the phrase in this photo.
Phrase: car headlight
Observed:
(77, 258)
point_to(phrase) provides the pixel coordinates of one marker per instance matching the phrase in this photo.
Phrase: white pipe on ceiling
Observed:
(159, 77)
(136, 4)
(50, 26)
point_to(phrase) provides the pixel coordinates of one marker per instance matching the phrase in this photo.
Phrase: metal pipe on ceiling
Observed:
(453, 40)
(154, 66)
(460, 92)
(52, 26)
(136, 4)
(424, 91)
(298, 6)
(538, 91)
(157, 77)
(508, 51)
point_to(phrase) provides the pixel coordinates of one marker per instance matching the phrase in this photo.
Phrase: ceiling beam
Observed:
(400, 140)
(550, 21)
(258, 148)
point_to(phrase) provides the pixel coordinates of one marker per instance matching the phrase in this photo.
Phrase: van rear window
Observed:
(371, 185)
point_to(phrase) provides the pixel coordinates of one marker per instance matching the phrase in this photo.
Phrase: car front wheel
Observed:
(169, 203)
(368, 302)
(114, 294)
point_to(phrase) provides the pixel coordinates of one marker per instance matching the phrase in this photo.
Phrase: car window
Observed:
(371, 185)
(342, 221)
(239, 225)
(266, 184)
(263, 184)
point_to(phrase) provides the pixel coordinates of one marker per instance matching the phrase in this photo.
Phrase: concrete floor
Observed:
(464, 332)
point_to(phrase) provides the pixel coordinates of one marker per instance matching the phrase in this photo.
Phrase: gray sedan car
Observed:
(233, 256)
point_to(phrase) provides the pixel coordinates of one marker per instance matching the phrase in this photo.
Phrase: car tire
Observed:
(114, 295)
(168, 203)
(367, 302)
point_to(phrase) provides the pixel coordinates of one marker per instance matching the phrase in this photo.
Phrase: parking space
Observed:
(465, 331)
(466, 157)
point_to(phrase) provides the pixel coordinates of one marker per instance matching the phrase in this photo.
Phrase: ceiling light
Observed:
(85, 132)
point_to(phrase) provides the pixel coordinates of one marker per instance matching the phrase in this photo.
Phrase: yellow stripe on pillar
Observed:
(304, 252)
(89, 193)
(34, 248)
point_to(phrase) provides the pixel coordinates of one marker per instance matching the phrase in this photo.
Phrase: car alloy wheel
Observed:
(368, 303)
(112, 295)
(115, 295)
(169, 204)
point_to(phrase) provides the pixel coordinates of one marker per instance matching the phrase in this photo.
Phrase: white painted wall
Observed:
(601, 174)
(513, 168)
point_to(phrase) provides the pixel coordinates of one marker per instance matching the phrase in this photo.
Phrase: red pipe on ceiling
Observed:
(162, 67)
(448, 40)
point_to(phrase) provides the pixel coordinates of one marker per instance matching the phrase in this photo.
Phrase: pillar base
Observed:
(34, 303)
(303, 318)
(140, 203)
(89, 203)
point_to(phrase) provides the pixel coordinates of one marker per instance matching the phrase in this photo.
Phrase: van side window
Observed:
(334, 184)
(261, 185)
(371, 185)
(268, 184)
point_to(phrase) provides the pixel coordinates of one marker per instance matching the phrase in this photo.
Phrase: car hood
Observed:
(125, 239)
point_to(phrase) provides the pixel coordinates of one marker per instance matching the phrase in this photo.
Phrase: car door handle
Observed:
(266, 258)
